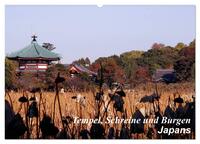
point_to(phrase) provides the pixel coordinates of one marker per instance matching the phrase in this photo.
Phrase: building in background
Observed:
(165, 75)
(78, 69)
(34, 57)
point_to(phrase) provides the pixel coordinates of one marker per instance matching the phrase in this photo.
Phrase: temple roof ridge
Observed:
(34, 50)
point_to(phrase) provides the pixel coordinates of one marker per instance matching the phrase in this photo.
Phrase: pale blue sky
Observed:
(89, 31)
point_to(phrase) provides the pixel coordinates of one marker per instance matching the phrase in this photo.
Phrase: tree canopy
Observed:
(133, 67)
(10, 74)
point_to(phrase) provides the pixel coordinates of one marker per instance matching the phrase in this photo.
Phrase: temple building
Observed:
(78, 69)
(164, 75)
(34, 57)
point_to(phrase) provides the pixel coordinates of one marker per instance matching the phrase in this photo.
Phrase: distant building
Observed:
(78, 69)
(33, 57)
(165, 75)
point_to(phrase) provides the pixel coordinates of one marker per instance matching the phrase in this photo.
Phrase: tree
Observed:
(129, 64)
(111, 71)
(193, 72)
(10, 74)
(158, 58)
(82, 61)
(52, 71)
(142, 75)
(131, 55)
(48, 46)
(30, 80)
(185, 65)
(157, 46)
(188, 52)
(192, 44)
(180, 46)
(117, 59)
(87, 61)
(184, 69)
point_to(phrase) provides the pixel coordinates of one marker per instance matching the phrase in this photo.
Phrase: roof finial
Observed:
(34, 37)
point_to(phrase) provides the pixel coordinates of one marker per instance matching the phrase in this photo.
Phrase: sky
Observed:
(89, 31)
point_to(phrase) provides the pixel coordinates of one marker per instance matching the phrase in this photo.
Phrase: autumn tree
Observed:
(185, 65)
(157, 46)
(142, 75)
(111, 71)
(188, 52)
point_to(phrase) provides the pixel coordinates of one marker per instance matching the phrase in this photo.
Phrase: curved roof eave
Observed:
(34, 51)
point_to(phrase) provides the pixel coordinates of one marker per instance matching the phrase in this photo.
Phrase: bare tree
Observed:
(48, 46)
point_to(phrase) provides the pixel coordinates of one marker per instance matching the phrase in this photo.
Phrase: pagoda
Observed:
(34, 57)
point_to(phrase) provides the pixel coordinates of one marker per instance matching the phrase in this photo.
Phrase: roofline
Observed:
(33, 58)
(75, 65)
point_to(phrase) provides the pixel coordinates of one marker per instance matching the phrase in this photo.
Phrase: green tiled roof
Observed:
(34, 50)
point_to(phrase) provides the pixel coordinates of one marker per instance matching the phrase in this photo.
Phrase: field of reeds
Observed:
(70, 107)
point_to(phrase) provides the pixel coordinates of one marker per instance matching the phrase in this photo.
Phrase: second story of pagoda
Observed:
(34, 57)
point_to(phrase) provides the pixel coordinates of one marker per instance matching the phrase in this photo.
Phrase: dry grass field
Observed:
(70, 107)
